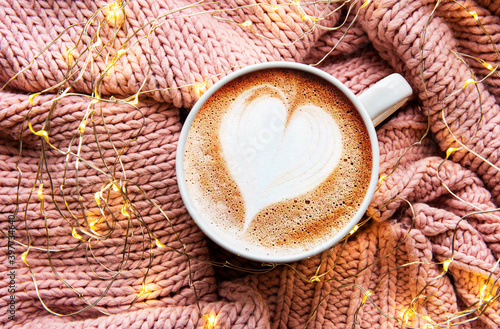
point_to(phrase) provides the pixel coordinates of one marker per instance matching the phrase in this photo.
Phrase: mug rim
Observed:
(293, 256)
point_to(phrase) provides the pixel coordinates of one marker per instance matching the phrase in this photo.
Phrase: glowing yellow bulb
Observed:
(482, 292)
(98, 42)
(41, 133)
(31, 99)
(211, 321)
(474, 14)
(120, 53)
(429, 325)
(200, 89)
(368, 293)
(354, 229)
(446, 264)
(159, 244)
(366, 3)
(93, 223)
(23, 257)
(115, 14)
(275, 7)
(135, 101)
(488, 66)
(407, 315)
(246, 23)
(449, 151)
(144, 289)
(76, 235)
(468, 82)
(306, 17)
(124, 210)
(69, 55)
(82, 127)
(44, 134)
(314, 278)
(382, 179)
(115, 187)
(97, 197)
(485, 294)
(40, 191)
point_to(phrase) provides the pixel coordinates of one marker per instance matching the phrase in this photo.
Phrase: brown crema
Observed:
(295, 224)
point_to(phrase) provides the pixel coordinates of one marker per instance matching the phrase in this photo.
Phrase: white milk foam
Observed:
(274, 156)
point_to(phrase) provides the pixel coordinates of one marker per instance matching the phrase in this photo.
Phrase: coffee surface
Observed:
(277, 160)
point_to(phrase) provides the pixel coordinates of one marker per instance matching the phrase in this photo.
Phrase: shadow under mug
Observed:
(374, 105)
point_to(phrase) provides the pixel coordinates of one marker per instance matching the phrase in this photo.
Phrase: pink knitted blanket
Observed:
(426, 258)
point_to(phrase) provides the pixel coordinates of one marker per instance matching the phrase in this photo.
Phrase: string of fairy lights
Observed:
(102, 38)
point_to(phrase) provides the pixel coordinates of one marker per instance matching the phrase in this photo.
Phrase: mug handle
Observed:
(385, 97)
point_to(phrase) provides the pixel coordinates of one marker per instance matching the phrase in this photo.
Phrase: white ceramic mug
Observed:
(374, 105)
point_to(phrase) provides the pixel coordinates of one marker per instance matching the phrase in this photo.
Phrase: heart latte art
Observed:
(274, 154)
(277, 160)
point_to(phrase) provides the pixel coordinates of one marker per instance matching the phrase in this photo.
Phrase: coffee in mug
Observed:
(276, 162)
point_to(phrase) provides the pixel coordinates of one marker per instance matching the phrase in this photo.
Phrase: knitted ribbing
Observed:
(387, 36)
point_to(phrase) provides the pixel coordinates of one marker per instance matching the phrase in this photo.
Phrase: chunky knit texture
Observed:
(387, 36)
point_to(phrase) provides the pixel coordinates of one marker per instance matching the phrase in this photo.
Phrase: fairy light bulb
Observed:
(201, 88)
(446, 264)
(159, 244)
(430, 324)
(134, 101)
(82, 126)
(144, 289)
(115, 14)
(120, 53)
(474, 14)
(211, 321)
(366, 3)
(97, 43)
(23, 257)
(408, 315)
(488, 66)
(93, 223)
(468, 82)
(484, 294)
(450, 150)
(124, 210)
(314, 278)
(354, 229)
(306, 17)
(97, 197)
(42, 133)
(31, 98)
(367, 294)
(40, 191)
(69, 56)
(75, 234)
(247, 23)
